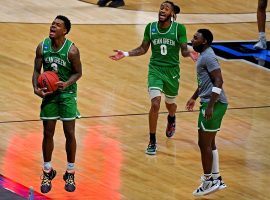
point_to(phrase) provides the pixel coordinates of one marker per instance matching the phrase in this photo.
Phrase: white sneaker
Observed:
(222, 185)
(261, 44)
(207, 186)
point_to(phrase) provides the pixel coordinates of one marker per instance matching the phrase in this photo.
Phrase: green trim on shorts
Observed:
(214, 124)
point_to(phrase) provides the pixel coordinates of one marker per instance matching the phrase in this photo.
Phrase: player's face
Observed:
(57, 29)
(198, 42)
(165, 12)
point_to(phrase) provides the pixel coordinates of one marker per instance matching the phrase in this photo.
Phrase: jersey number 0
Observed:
(163, 49)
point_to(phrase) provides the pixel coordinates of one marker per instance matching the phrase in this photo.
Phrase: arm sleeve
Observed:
(146, 36)
(181, 33)
(212, 63)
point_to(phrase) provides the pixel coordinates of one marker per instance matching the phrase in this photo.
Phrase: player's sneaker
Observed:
(170, 130)
(46, 184)
(102, 3)
(207, 187)
(116, 3)
(261, 44)
(151, 149)
(69, 182)
(222, 185)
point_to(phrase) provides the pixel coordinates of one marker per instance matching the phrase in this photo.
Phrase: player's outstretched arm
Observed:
(142, 49)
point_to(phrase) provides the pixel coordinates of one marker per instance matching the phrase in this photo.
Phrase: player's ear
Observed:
(65, 31)
(173, 16)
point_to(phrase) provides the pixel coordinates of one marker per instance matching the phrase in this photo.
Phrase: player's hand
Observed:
(61, 85)
(193, 55)
(190, 104)
(42, 92)
(208, 113)
(119, 55)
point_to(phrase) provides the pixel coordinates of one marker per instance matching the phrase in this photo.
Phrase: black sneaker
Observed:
(151, 149)
(70, 183)
(102, 3)
(46, 184)
(116, 3)
(170, 130)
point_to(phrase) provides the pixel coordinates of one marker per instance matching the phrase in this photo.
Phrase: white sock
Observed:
(262, 36)
(215, 164)
(207, 176)
(47, 166)
(70, 166)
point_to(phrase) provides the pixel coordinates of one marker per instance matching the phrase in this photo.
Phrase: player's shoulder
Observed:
(179, 25)
(73, 50)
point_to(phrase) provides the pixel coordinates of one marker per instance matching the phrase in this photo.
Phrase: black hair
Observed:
(176, 8)
(207, 35)
(66, 22)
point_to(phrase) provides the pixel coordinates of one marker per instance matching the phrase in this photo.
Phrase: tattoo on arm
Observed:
(140, 50)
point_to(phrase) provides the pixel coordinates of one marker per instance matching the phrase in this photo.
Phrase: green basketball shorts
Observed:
(213, 124)
(165, 79)
(61, 106)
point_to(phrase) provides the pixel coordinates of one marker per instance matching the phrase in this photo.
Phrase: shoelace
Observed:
(45, 180)
(70, 179)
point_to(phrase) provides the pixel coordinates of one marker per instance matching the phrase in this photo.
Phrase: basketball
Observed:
(48, 80)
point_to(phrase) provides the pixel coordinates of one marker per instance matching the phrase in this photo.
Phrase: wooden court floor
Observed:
(113, 100)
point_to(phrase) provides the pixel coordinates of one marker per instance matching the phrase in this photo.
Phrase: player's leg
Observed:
(155, 86)
(261, 18)
(155, 96)
(49, 115)
(71, 146)
(171, 107)
(171, 87)
(68, 114)
(208, 184)
(215, 166)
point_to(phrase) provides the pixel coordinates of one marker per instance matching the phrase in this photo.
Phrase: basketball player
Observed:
(213, 107)
(261, 18)
(166, 38)
(56, 53)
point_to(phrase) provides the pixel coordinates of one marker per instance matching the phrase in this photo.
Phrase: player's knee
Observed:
(170, 100)
(155, 105)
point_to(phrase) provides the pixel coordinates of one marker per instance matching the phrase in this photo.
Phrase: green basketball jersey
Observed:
(165, 43)
(58, 61)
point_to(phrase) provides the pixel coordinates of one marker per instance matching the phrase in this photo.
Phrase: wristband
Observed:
(126, 54)
(216, 90)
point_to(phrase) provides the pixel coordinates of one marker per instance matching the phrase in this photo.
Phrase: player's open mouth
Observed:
(162, 16)
(52, 31)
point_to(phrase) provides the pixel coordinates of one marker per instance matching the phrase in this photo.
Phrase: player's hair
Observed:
(66, 22)
(176, 8)
(207, 35)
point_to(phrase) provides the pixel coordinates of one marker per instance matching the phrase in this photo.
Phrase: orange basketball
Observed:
(48, 80)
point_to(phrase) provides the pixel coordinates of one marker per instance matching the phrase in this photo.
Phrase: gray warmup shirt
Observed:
(207, 62)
